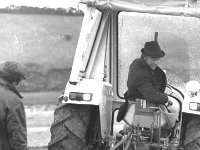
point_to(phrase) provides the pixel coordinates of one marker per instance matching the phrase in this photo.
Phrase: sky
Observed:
(40, 3)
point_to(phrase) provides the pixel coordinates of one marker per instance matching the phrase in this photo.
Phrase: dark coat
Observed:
(146, 83)
(13, 132)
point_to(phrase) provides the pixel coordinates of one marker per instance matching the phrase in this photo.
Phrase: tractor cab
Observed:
(112, 35)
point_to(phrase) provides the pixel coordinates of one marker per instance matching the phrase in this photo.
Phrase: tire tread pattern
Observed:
(69, 127)
(192, 141)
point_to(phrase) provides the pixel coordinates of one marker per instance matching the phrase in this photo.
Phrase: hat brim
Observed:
(159, 54)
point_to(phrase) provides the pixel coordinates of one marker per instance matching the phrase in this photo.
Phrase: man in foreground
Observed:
(13, 132)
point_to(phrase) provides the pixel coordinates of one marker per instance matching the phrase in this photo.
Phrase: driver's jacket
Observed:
(145, 83)
(13, 134)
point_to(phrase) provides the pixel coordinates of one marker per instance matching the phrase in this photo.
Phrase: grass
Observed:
(40, 98)
(47, 40)
(46, 44)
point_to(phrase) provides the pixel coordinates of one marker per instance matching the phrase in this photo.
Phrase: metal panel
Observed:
(91, 23)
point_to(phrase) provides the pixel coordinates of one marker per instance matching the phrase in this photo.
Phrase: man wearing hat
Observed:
(145, 79)
(13, 132)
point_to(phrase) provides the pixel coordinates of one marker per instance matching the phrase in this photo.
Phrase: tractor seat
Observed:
(146, 115)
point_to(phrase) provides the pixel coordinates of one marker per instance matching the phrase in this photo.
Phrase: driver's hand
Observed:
(169, 103)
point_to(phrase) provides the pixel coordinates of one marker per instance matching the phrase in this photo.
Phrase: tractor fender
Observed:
(102, 96)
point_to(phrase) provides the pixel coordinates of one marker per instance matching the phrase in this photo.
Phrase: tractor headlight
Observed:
(193, 88)
(76, 96)
(194, 106)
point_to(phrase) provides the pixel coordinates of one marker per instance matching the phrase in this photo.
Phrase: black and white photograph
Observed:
(100, 75)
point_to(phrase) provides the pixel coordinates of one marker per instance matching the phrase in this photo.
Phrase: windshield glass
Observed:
(177, 36)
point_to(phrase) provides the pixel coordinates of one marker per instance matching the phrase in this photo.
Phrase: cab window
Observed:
(177, 36)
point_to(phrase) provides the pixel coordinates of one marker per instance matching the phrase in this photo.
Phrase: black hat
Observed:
(152, 49)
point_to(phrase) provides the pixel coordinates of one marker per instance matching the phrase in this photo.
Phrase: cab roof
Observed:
(171, 3)
(174, 7)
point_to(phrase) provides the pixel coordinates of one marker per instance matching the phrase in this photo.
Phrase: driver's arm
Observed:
(149, 93)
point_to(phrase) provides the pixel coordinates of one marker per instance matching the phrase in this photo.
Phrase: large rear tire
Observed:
(192, 140)
(69, 128)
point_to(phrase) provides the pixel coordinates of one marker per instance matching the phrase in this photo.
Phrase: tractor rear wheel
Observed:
(69, 128)
(192, 140)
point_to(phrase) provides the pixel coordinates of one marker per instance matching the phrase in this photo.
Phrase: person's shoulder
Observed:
(159, 70)
(139, 64)
(136, 62)
(9, 97)
(139, 68)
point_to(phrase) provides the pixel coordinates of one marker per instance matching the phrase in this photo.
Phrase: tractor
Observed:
(112, 35)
